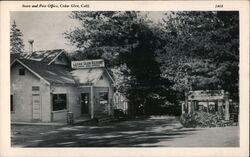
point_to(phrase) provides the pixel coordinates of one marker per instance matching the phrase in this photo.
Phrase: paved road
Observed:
(151, 132)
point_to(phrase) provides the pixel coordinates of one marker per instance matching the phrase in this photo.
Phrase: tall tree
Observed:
(126, 40)
(203, 50)
(16, 42)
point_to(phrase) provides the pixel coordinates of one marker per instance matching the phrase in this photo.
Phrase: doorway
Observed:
(36, 106)
(84, 103)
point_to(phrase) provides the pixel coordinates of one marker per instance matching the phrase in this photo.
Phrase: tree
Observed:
(202, 50)
(16, 42)
(146, 87)
(126, 41)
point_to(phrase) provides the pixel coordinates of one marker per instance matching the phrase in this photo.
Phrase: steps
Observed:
(104, 119)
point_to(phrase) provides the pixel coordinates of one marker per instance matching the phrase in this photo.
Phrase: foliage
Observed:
(126, 41)
(202, 50)
(202, 119)
(188, 120)
(102, 34)
(155, 63)
(16, 42)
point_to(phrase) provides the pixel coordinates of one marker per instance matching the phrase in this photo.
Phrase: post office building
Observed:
(46, 85)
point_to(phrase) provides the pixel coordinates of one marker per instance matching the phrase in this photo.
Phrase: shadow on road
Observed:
(136, 133)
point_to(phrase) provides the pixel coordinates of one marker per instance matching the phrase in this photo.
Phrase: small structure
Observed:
(46, 87)
(211, 101)
(96, 86)
(120, 102)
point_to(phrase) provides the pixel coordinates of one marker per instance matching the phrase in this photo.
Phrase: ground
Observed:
(149, 132)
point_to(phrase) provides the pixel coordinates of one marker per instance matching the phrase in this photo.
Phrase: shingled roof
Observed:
(51, 73)
(45, 56)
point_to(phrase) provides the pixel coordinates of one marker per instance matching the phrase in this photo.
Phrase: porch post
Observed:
(186, 103)
(220, 103)
(207, 106)
(190, 106)
(195, 106)
(92, 101)
(227, 115)
(183, 108)
(109, 101)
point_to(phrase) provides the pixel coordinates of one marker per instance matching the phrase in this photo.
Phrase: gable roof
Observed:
(45, 56)
(14, 56)
(89, 76)
(51, 73)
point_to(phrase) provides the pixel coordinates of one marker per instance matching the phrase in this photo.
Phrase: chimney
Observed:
(30, 46)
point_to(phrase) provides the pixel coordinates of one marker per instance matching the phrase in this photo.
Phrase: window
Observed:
(103, 101)
(35, 88)
(103, 97)
(101, 78)
(22, 71)
(59, 102)
(11, 103)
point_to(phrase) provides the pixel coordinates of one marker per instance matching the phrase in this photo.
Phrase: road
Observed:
(150, 132)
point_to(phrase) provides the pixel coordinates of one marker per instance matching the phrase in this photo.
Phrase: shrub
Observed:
(188, 120)
(202, 119)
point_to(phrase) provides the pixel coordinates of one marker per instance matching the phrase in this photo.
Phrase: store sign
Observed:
(206, 95)
(97, 63)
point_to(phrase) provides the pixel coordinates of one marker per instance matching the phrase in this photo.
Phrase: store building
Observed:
(210, 101)
(45, 86)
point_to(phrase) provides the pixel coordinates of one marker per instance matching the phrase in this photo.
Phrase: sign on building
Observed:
(206, 95)
(97, 63)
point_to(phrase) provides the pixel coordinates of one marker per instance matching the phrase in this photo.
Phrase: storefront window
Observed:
(103, 101)
(59, 102)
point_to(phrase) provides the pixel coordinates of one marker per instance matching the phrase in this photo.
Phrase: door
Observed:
(36, 106)
(85, 103)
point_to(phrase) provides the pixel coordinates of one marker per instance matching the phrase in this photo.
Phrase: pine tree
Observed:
(16, 42)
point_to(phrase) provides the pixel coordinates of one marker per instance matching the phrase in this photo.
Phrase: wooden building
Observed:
(210, 101)
(46, 86)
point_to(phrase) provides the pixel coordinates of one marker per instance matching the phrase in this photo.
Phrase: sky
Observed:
(47, 28)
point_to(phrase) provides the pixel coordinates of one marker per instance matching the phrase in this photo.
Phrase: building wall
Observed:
(45, 99)
(103, 85)
(62, 60)
(21, 88)
(84, 90)
(98, 108)
(103, 82)
(73, 101)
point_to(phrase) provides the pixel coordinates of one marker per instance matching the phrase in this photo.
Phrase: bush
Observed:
(188, 120)
(202, 119)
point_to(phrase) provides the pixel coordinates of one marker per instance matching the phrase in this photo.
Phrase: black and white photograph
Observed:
(125, 78)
